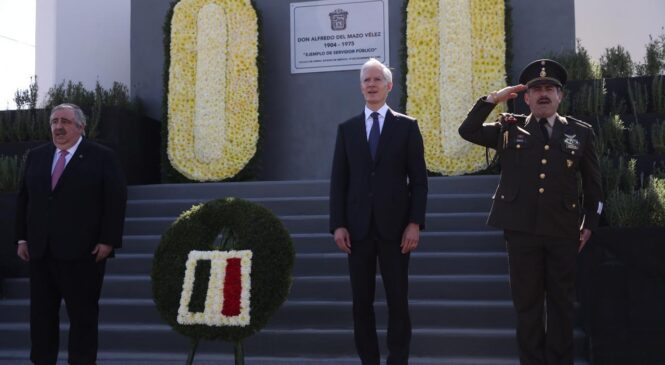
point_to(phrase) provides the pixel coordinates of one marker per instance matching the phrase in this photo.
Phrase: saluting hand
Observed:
(410, 238)
(507, 93)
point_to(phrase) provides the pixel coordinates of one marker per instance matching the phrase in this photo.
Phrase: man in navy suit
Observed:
(69, 218)
(378, 193)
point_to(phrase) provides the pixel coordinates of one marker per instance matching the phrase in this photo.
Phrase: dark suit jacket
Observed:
(86, 207)
(528, 164)
(392, 189)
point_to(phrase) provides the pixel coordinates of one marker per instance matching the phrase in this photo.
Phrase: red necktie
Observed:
(59, 168)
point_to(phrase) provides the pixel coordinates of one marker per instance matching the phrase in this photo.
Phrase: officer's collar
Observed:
(551, 120)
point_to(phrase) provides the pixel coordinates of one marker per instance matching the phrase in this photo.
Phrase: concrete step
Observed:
(311, 264)
(327, 288)
(306, 313)
(448, 241)
(449, 342)
(319, 223)
(268, 189)
(168, 358)
(299, 205)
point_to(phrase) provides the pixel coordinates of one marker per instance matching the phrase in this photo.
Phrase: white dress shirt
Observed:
(368, 118)
(71, 150)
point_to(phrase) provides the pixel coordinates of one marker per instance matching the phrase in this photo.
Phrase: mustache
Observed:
(59, 131)
(544, 100)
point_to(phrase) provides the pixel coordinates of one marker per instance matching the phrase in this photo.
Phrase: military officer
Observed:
(537, 204)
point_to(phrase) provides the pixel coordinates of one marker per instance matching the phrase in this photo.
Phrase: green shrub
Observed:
(658, 170)
(612, 133)
(577, 62)
(10, 172)
(609, 174)
(28, 97)
(642, 208)
(638, 97)
(657, 185)
(627, 175)
(33, 124)
(74, 93)
(616, 62)
(637, 139)
(654, 58)
(658, 137)
(658, 94)
(618, 105)
(590, 99)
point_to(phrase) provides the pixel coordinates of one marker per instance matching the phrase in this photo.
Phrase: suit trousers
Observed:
(79, 283)
(542, 280)
(394, 268)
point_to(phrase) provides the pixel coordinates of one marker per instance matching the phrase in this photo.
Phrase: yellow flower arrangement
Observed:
(455, 53)
(213, 96)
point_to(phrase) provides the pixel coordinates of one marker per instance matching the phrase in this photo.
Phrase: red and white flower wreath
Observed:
(228, 297)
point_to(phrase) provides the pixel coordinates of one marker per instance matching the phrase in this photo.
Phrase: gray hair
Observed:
(373, 62)
(79, 116)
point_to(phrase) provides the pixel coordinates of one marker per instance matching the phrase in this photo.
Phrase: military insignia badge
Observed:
(570, 142)
(569, 163)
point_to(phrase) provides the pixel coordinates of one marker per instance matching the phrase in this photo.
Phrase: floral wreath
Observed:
(222, 269)
(453, 57)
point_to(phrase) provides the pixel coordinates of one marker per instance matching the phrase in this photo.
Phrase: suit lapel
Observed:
(386, 134)
(560, 124)
(360, 135)
(48, 166)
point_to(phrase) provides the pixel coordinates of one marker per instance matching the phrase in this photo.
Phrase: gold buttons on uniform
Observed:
(547, 147)
(572, 152)
(541, 190)
(518, 146)
(542, 176)
(543, 161)
(574, 205)
(503, 197)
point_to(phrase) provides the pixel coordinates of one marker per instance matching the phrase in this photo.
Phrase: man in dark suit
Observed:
(537, 204)
(378, 192)
(69, 218)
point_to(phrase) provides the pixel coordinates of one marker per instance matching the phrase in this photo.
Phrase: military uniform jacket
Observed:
(538, 189)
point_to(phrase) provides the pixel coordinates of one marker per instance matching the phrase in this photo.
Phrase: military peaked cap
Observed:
(543, 72)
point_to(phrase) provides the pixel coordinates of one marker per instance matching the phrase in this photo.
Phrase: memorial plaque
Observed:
(334, 35)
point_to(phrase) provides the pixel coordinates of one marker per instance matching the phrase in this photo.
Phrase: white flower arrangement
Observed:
(215, 301)
(213, 97)
(455, 54)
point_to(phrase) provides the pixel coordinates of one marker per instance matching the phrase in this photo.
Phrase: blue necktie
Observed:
(374, 134)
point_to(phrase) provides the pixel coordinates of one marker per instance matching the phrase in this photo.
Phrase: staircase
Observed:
(459, 294)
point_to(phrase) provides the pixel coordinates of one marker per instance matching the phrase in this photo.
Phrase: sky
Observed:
(17, 48)
(599, 24)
